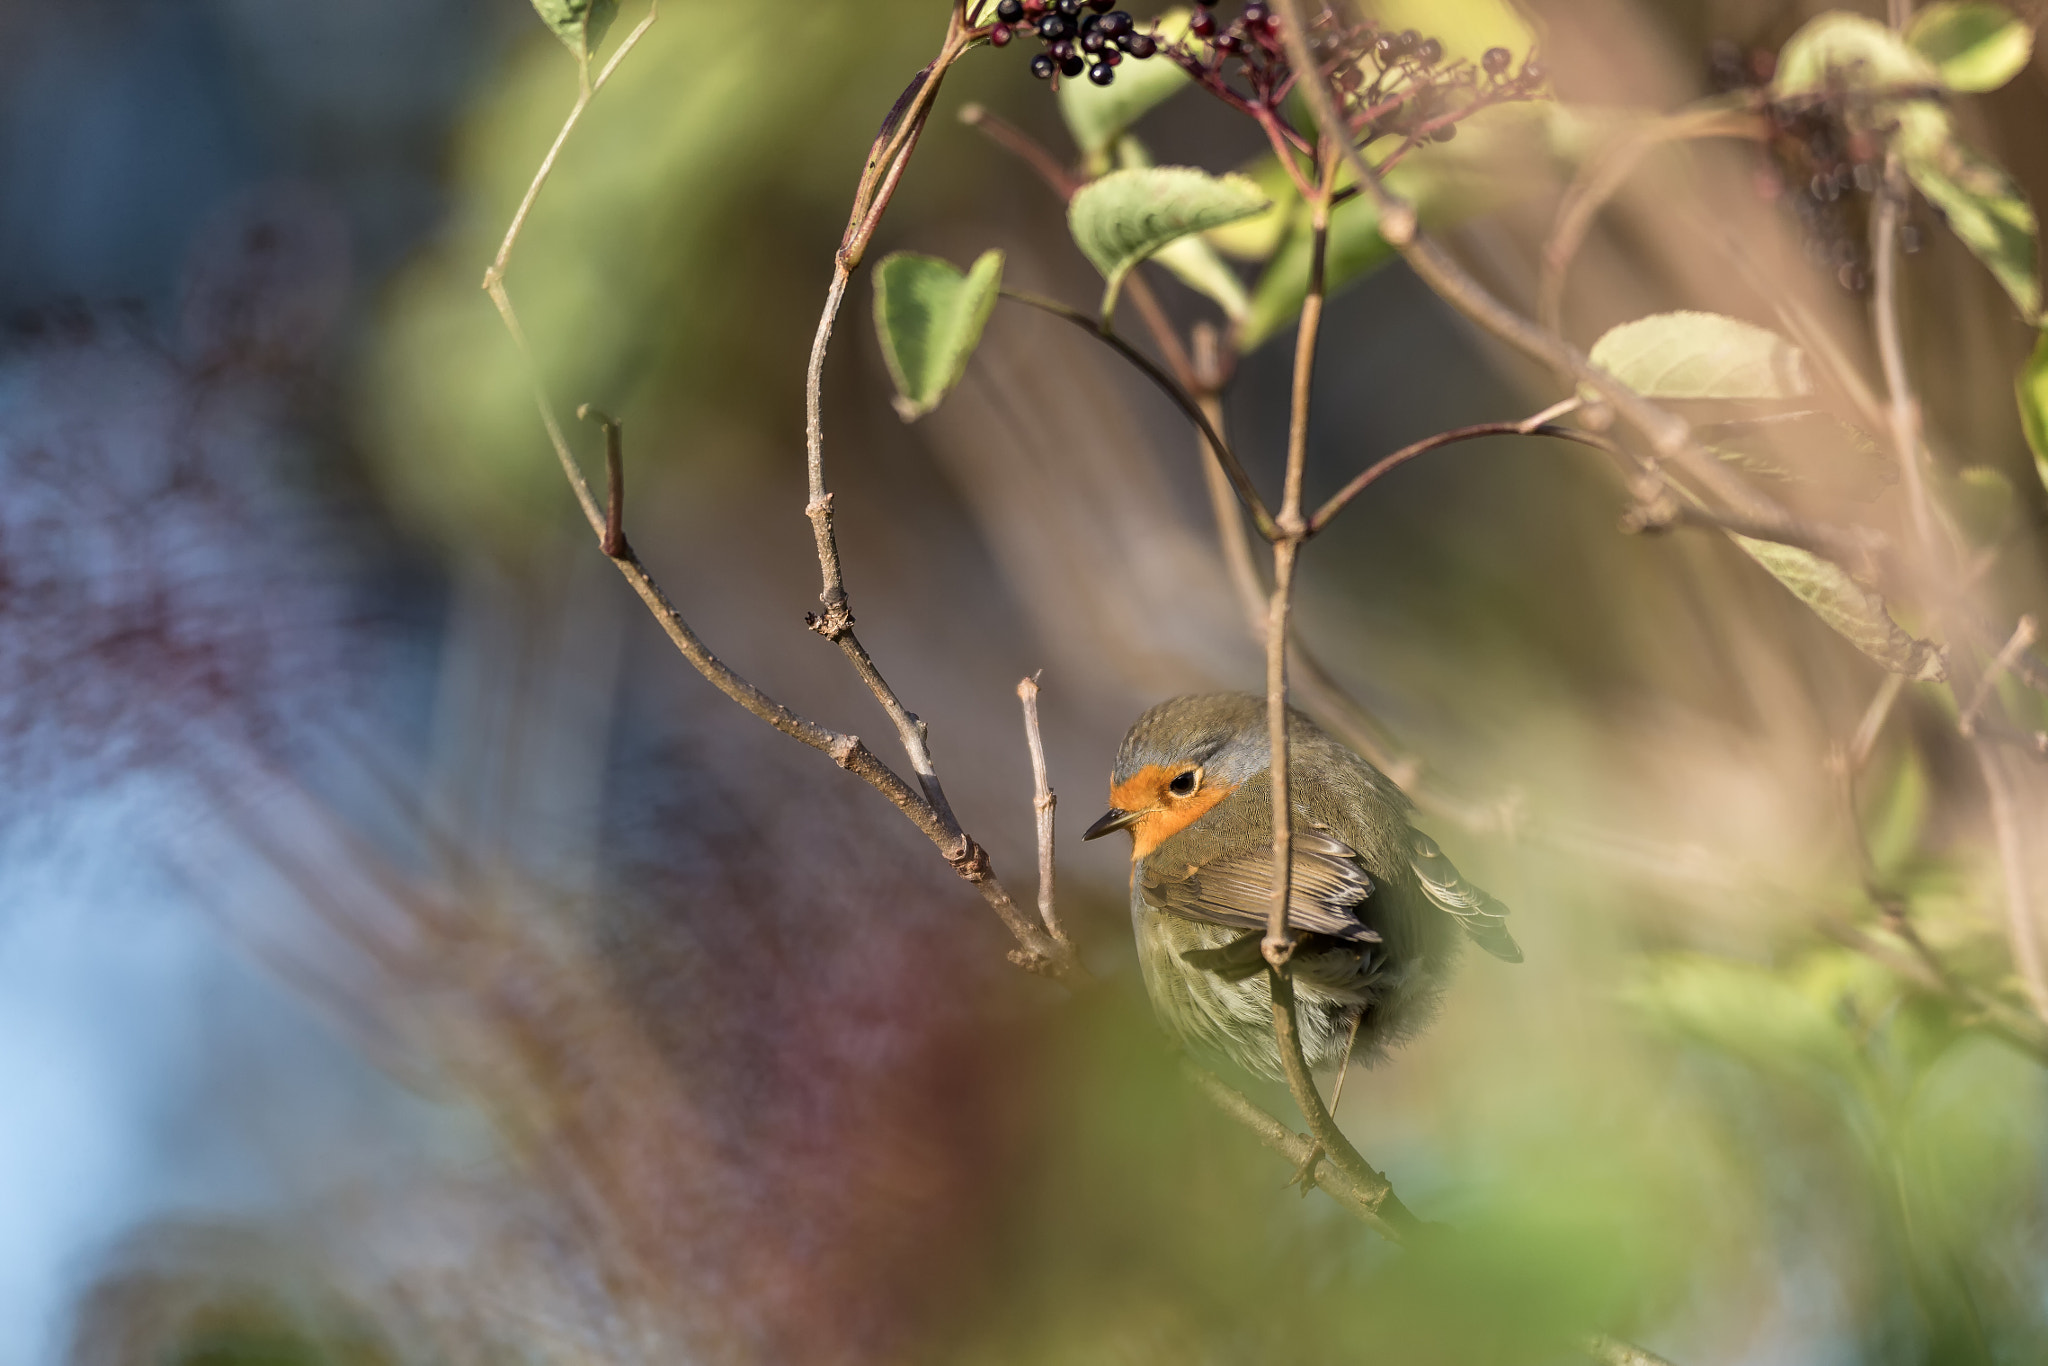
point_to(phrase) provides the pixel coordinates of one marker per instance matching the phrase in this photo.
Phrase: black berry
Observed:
(1054, 27)
(1254, 14)
(1203, 25)
(1430, 52)
(1093, 41)
(1042, 67)
(1139, 45)
(1100, 5)
(1101, 74)
(999, 37)
(1496, 60)
(1110, 56)
(1116, 21)
(1070, 8)
(1386, 49)
(1072, 66)
(1009, 11)
(1060, 51)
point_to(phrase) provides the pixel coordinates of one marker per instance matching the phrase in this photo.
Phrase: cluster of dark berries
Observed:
(1078, 36)
(1824, 158)
(1393, 82)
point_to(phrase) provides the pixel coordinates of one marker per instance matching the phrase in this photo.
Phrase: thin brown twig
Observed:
(1043, 802)
(613, 539)
(1373, 473)
(1278, 945)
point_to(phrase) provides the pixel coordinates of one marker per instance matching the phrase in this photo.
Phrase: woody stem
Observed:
(1279, 944)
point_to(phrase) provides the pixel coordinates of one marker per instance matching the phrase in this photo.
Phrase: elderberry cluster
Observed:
(1392, 82)
(1078, 36)
(1824, 158)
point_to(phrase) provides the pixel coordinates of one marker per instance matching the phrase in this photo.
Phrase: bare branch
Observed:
(1042, 803)
(613, 539)
(2022, 639)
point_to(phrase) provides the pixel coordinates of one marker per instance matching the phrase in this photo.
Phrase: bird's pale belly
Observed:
(1212, 1015)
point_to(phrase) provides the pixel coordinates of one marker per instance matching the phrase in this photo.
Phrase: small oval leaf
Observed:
(929, 317)
(1702, 355)
(1857, 614)
(1193, 258)
(1983, 206)
(1097, 115)
(1839, 49)
(1975, 47)
(580, 24)
(1126, 216)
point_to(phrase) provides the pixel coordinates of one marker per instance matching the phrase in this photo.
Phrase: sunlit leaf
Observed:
(1192, 258)
(1855, 612)
(1983, 206)
(1702, 356)
(580, 24)
(2033, 398)
(1097, 115)
(1466, 28)
(1848, 49)
(1974, 46)
(929, 317)
(1126, 216)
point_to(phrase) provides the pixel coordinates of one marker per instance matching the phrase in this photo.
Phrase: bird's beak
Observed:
(1112, 820)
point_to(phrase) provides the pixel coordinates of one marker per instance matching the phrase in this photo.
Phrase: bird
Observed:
(1378, 909)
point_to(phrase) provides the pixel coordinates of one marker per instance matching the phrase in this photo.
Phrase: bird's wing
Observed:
(1484, 918)
(1328, 885)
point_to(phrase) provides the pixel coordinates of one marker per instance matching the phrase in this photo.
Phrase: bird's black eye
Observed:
(1185, 783)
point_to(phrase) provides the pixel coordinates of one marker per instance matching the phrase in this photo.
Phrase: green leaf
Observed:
(1097, 115)
(1856, 613)
(1980, 501)
(1848, 49)
(1126, 216)
(1702, 356)
(580, 24)
(929, 317)
(1975, 47)
(1984, 208)
(1191, 258)
(2032, 389)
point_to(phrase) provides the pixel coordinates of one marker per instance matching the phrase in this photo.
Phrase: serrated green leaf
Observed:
(2032, 391)
(1849, 50)
(1192, 258)
(1126, 216)
(1975, 47)
(1097, 115)
(1702, 356)
(1983, 206)
(580, 24)
(1857, 614)
(929, 317)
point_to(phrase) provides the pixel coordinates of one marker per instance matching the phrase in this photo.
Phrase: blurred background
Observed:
(405, 957)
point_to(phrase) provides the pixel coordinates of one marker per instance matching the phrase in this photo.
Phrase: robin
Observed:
(1378, 908)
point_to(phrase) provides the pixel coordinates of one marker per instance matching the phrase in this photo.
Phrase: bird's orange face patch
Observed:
(1164, 813)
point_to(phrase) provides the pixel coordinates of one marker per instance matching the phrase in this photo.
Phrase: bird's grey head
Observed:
(1223, 734)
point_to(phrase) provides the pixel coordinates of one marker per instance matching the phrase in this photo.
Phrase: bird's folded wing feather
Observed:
(1484, 918)
(1328, 886)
